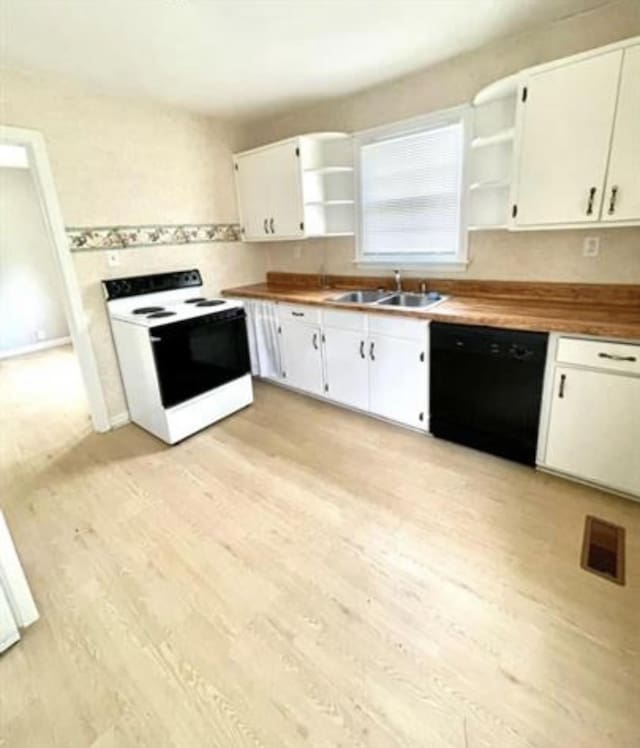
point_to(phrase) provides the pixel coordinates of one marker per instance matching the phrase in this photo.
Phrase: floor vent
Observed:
(603, 549)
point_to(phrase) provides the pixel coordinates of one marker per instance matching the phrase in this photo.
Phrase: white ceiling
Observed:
(248, 57)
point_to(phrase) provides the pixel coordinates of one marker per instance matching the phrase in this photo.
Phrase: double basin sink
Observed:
(393, 300)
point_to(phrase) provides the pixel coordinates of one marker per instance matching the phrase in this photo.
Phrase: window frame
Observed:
(459, 261)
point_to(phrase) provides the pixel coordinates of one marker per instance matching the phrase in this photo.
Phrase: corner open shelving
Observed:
(328, 187)
(491, 155)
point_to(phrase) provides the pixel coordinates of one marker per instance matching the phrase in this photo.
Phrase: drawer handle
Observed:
(614, 357)
(362, 349)
(372, 348)
(592, 194)
(563, 379)
(314, 340)
(298, 314)
(612, 202)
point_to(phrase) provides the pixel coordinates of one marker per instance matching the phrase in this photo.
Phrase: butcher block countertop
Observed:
(587, 309)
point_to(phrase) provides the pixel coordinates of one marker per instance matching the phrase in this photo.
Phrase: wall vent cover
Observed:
(603, 549)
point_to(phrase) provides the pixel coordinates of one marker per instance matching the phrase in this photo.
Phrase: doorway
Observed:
(41, 303)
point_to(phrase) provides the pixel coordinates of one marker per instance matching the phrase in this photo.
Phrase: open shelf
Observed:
(503, 136)
(331, 234)
(490, 184)
(330, 202)
(502, 89)
(329, 170)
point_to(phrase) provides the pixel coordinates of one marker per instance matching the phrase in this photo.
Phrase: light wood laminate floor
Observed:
(299, 575)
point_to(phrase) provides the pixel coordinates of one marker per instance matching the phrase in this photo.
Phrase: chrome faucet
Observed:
(396, 275)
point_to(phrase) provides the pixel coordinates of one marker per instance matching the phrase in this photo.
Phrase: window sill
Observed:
(456, 266)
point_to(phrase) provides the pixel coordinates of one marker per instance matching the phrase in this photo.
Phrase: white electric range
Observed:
(184, 359)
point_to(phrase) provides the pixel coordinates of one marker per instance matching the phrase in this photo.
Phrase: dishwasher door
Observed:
(486, 388)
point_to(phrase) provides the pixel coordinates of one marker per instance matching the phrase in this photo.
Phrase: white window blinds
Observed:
(411, 192)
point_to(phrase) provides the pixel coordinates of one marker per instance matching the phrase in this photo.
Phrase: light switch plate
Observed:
(591, 246)
(113, 259)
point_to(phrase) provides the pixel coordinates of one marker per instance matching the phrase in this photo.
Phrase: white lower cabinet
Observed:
(375, 363)
(593, 430)
(347, 367)
(398, 379)
(300, 347)
(594, 427)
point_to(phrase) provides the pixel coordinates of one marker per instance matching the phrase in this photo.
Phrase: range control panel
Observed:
(121, 288)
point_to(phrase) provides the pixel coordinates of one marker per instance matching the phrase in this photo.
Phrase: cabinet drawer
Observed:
(344, 320)
(299, 313)
(623, 357)
(398, 327)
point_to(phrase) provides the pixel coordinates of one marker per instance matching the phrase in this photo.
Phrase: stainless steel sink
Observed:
(361, 297)
(412, 300)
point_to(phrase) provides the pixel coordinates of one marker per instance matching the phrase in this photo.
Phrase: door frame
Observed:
(36, 148)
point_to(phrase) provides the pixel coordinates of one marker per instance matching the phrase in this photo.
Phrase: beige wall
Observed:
(126, 162)
(31, 301)
(548, 255)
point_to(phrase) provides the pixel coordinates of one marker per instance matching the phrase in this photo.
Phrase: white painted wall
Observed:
(31, 308)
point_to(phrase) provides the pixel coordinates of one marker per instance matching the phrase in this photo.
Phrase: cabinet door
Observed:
(563, 145)
(253, 174)
(594, 428)
(346, 366)
(622, 196)
(286, 208)
(301, 356)
(398, 382)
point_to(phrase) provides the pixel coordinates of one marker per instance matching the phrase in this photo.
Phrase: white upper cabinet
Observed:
(269, 192)
(622, 194)
(297, 188)
(566, 119)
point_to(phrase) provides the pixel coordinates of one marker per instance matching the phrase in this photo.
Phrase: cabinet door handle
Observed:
(563, 379)
(314, 340)
(155, 339)
(592, 195)
(272, 225)
(612, 202)
(362, 349)
(266, 226)
(614, 357)
(372, 348)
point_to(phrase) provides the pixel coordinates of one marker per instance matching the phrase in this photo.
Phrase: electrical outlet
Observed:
(41, 334)
(113, 258)
(591, 246)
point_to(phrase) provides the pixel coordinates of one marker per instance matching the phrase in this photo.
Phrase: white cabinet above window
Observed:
(297, 188)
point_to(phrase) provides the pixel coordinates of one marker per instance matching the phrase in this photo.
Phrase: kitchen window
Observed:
(411, 192)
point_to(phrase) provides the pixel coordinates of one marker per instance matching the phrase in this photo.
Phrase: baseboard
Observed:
(41, 346)
(120, 419)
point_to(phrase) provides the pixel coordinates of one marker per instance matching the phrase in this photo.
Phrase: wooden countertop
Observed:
(616, 317)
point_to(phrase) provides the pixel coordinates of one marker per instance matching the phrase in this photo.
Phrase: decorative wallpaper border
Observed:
(128, 237)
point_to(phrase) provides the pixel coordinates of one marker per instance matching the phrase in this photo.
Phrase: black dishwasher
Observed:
(486, 388)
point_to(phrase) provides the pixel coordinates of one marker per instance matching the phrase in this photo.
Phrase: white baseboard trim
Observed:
(120, 419)
(41, 346)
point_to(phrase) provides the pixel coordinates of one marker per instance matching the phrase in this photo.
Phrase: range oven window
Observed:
(198, 355)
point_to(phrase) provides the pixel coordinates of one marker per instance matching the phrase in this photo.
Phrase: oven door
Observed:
(197, 355)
